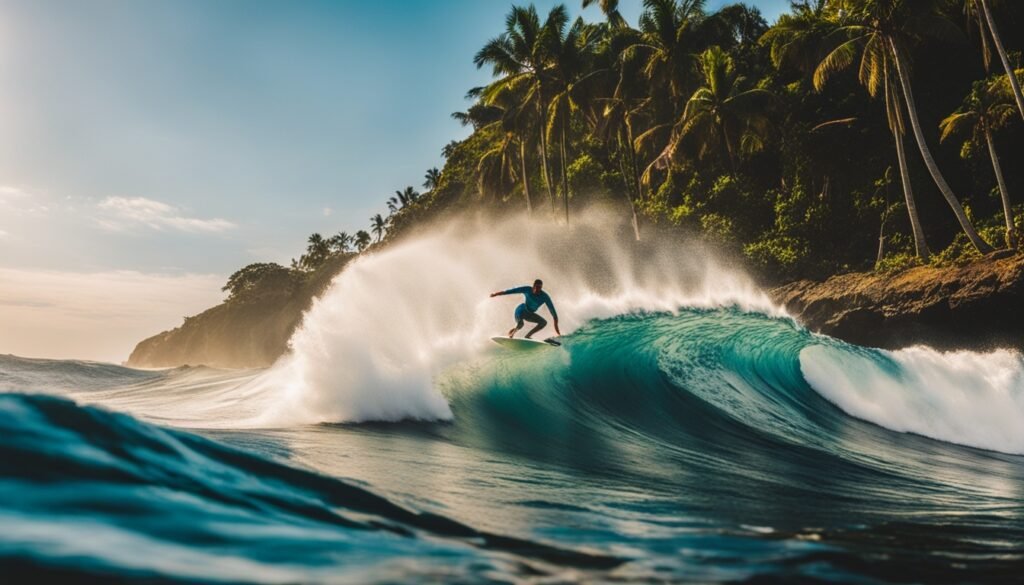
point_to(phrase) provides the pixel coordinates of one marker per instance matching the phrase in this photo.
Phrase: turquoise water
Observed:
(708, 445)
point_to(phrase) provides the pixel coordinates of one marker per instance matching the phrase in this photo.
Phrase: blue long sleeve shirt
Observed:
(533, 302)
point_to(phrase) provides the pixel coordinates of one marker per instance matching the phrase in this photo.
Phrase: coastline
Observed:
(970, 307)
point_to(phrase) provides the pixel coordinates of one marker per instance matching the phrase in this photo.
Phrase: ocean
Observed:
(686, 430)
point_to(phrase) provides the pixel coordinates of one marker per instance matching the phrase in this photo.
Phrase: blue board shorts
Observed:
(524, 314)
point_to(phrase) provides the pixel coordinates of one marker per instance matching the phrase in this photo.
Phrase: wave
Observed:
(370, 348)
(963, 397)
(101, 493)
(727, 382)
(20, 374)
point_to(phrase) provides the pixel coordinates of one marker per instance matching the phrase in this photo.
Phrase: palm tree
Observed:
(340, 242)
(362, 240)
(981, 114)
(979, 11)
(317, 250)
(623, 98)
(610, 8)
(569, 50)
(378, 226)
(793, 38)
(496, 170)
(431, 179)
(665, 54)
(520, 57)
(668, 42)
(502, 113)
(402, 199)
(722, 114)
(879, 30)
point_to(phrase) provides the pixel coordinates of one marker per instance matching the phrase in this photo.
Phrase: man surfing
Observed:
(527, 311)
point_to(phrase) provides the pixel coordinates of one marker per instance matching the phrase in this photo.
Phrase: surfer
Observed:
(527, 311)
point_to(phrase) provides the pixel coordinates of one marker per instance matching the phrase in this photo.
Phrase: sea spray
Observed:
(370, 347)
(963, 397)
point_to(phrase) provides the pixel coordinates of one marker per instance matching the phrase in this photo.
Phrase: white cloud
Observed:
(10, 192)
(328, 211)
(121, 213)
(3, 234)
(99, 315)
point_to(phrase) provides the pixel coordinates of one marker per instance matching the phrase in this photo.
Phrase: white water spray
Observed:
(963, 397)
(370, 347)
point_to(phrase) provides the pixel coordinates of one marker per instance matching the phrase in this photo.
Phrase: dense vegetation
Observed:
(849, 135)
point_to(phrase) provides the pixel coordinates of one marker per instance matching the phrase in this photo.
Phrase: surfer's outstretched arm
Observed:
(511, 291)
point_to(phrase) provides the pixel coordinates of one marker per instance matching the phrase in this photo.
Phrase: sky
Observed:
(152, 147)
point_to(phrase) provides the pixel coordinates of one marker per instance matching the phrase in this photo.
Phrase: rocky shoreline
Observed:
(977, 306)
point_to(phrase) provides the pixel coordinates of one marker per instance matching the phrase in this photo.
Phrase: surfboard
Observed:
(524, 344)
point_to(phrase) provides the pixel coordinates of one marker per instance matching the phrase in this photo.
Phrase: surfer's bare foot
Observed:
(511, 333)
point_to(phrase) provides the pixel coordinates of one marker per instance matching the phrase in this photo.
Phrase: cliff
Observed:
(247, 332)
(977, 306)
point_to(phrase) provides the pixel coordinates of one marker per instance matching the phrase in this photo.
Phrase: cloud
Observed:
(8, 192)
(3, 234)
(122, 213)
(328, 211)
(95, 315)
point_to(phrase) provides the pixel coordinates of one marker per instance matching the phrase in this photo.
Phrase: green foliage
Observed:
(250, 281)
(771, 141)
(778, 255)
(586, 175)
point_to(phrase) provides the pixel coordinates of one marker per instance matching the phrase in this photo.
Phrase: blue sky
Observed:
(196, 136)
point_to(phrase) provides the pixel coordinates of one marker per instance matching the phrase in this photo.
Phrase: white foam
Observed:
(963, 397)
(370, 347)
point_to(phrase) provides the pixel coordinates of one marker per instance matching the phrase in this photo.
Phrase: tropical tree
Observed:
(797, 37)
(723, 115)
(623, 99)
(665, 53)
(403, 199)
(797, 41)
(568, 50)
(431, 179)
(317, 251)
(980, 116)
(378, 226)
(980, 12)
(503, 116)
(362, 239)
(340, 242)
(520, 57)
(610, 8)
(668, 43)
(879, 32)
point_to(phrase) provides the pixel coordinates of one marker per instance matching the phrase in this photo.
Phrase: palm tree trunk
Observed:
(1004, 194)
(1002, 56)
(635, 176)
(633, 164)
(728, 147)
(565, 173)
(920, 244)
(628, 181)
(544, 152)
(926, 154)
(526, 177)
